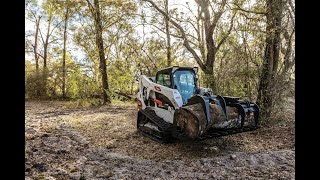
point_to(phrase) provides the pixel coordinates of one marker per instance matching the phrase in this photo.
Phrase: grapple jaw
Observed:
(207, 114)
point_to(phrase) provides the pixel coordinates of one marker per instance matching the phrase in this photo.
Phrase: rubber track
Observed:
(152, 116)
(165, 127)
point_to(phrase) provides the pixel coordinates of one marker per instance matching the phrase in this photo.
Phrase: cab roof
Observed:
(171, 69)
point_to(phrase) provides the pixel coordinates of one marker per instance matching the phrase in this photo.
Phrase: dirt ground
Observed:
(102, 143)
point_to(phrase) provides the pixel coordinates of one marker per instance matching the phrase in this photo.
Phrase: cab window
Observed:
(164, 80)
(184, 83)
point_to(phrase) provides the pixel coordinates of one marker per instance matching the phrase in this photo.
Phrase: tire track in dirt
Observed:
(102, 142)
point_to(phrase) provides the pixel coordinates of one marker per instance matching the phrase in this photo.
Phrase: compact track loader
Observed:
(172, 106)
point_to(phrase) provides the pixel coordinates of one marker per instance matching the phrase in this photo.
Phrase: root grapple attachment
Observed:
(213, 116)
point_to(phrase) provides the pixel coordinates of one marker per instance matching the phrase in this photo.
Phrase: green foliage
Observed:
(31, 85)
(32, 81)
(120, 77)
(129, 54)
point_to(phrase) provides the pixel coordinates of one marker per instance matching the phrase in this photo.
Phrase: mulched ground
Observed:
(102, 142)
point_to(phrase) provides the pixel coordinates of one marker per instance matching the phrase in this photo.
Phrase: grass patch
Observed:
(75, 121)
(117, 102)
(83, 103)
(94, 102)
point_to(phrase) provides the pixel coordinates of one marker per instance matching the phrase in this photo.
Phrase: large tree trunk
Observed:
(211, 49)
(99, 42)
(64, 53)
(208, 30)
(271, 57)
(169, 61)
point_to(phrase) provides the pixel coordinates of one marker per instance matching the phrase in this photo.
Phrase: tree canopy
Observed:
(98, 49)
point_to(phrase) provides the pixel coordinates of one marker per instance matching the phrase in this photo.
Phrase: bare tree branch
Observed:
(91, 8)
(149, 57)
(183, 34)
(43, 41)
(187, 7)
(228, 33)
(218, 14)
(40, 55)
(189, 22)
(55, 27)
(53, 40)
(248, 11)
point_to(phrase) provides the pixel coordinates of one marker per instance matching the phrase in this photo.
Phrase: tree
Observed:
(31, 6)
(207, 21)
(67, 9)
(50, 11)
(274, 12)
(276, 60)
(115, 28)
(95, 10)
(235, 44)
(169, 60)
(64, 50)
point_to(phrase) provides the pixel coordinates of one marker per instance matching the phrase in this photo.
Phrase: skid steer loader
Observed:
(172, 106)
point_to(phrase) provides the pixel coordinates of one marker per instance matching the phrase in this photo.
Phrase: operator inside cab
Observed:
(184, 80)
(185, 84)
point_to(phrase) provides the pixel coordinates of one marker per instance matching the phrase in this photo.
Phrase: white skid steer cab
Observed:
(172, 106)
